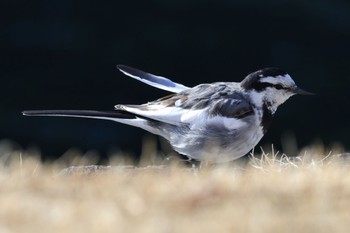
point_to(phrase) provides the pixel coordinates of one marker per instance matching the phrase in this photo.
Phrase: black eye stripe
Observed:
(262, 86)
(278, 86)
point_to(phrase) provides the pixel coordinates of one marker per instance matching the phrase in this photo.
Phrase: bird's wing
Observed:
(194, 106)
(152, 80)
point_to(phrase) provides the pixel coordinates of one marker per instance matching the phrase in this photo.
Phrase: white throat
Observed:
(270, 98)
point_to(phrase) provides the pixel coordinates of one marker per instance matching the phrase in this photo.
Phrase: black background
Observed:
(61, 54)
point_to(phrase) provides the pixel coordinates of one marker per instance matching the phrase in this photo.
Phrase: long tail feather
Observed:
(82, 113)
(120, 116)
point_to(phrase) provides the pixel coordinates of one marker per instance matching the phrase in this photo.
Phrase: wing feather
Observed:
(152, 80)
(195, 106)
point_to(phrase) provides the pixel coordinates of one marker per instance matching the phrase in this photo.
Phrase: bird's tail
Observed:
(107, 115)
(115, 115)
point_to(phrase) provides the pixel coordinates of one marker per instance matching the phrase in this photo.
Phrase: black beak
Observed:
(300, 91)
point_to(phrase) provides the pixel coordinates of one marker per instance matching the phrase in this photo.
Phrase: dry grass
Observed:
(271, 194)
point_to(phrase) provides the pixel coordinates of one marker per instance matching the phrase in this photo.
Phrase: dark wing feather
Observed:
(231, 108)
(218, 99)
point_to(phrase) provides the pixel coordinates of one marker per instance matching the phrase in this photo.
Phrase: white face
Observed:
(277, 95)
(284, 80)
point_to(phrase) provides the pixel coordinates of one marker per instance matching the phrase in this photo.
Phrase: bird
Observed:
(214, 122)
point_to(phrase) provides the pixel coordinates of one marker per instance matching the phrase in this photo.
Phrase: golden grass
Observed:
(271, 194)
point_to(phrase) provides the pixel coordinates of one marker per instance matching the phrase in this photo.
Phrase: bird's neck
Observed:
(260, 101)
(265, 108)
(266, 118)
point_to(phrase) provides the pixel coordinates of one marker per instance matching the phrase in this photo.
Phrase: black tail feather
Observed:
(81, 113)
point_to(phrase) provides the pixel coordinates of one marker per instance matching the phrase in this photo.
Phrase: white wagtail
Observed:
(215, 122)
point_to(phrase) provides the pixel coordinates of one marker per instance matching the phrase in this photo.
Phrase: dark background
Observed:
(61, 54)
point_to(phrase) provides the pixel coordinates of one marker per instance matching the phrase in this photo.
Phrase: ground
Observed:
(273, 193)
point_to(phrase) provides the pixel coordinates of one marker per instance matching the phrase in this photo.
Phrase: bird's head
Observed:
(271, 86)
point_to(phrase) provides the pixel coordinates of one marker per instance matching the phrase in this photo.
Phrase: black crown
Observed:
(251, 82)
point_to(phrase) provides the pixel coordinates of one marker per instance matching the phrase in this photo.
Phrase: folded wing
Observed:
(199, 105)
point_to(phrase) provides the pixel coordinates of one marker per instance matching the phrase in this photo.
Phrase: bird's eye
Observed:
(279, 87)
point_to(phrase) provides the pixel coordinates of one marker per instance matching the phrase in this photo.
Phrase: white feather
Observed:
(170, 115)
(284, 80)
(176, 88)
